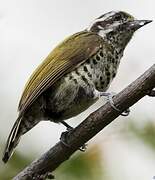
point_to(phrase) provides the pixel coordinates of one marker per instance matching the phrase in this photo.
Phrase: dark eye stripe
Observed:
(117, 17)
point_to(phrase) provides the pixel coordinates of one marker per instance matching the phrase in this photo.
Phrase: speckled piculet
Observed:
(74, 75)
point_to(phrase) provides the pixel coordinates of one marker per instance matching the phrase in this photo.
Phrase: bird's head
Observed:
(117, 27)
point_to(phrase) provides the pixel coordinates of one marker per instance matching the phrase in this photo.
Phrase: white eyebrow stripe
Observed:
(100, 27)
(102, 19)
(106, 16)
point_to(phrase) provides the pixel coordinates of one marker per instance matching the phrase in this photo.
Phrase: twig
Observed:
(93, 124)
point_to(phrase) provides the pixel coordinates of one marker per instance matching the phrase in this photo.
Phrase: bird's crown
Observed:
(116, 26)
(114, 20)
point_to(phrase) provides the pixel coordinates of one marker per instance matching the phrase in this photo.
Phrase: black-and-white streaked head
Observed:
(117, 27)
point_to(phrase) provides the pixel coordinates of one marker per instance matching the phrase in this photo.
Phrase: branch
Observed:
(93, 124)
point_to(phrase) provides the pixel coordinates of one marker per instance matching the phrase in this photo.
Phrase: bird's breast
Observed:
(101, 68)
(74, 93)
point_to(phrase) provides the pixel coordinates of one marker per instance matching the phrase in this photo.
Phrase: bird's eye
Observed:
(118, 17)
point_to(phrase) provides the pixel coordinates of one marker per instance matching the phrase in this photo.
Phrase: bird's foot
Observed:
(64, 137)
(110, 99)
(83, 148)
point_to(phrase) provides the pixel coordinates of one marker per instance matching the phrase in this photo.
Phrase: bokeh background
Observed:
(28, 32)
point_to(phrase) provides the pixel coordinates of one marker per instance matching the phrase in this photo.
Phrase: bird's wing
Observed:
(65, 57)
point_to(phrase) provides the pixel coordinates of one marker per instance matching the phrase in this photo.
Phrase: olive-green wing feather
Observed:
(64, 58)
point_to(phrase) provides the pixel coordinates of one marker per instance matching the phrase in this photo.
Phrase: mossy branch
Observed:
(93, 124)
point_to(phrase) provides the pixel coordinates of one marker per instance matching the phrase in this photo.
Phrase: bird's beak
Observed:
(136, 24)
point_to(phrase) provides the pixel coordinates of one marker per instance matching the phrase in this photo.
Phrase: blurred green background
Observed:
(93, 164)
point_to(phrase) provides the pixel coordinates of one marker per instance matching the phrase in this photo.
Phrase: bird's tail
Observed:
(12, 140)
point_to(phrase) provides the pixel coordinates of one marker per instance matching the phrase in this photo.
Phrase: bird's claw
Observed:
(83, 148)
(126, 112)
(63, 140)
(110, 99)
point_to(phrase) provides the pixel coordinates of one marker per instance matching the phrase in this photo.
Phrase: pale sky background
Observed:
(30, 29)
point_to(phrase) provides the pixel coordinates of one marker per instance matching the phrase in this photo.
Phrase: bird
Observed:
(76, 73)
